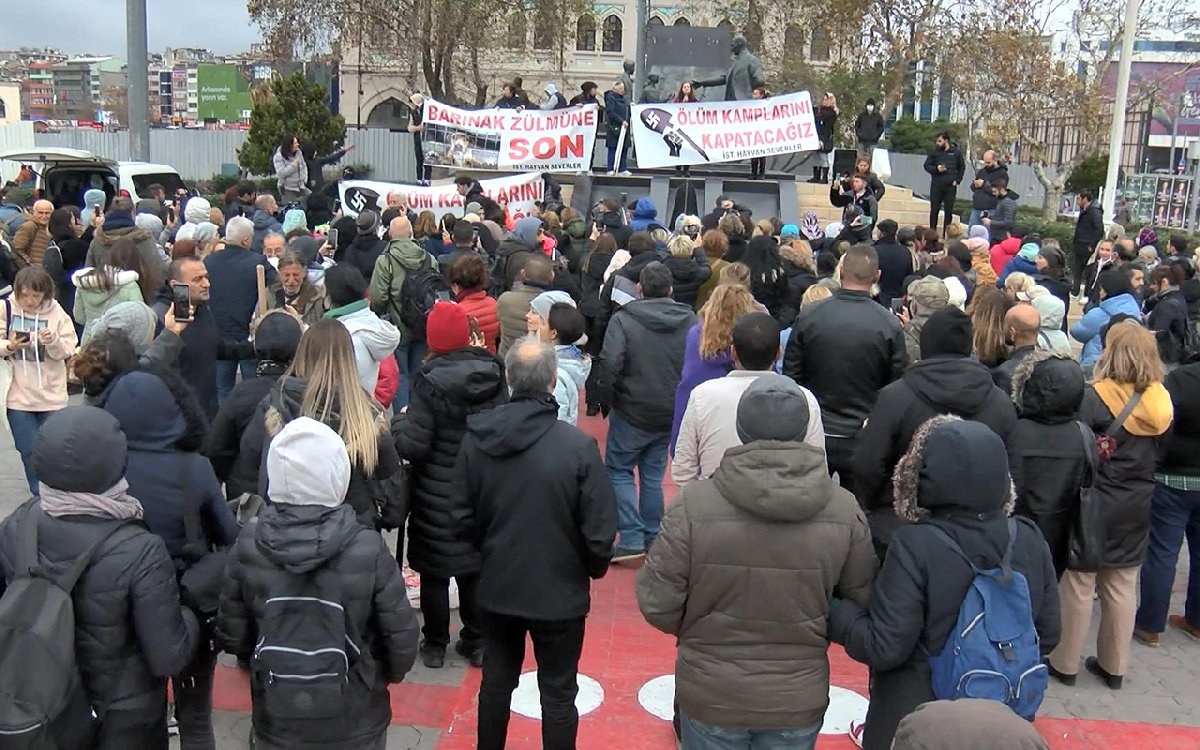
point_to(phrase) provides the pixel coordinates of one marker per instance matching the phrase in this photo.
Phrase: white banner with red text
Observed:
(672, 135)
(559, 140)
(518, 193)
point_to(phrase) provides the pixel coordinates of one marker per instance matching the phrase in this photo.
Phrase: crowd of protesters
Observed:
(262, 403)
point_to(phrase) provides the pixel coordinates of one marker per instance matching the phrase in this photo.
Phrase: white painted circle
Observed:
(527, 699)
(658, 697)
(844, 706)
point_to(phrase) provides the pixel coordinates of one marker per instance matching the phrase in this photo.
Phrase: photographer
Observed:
(852, 190)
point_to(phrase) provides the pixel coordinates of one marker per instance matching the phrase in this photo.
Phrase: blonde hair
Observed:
(987, 322)
(726, 304)
(1130, 357)
(681, 246)
(764, 228)
(332, 393)
(1018, 282)
(956, 231)
(799, 254)
(735, 274)
(814, 294)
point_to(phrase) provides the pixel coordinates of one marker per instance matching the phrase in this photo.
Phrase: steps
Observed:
(898, 204)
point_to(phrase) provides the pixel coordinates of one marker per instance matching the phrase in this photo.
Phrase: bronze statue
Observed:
(745, 72)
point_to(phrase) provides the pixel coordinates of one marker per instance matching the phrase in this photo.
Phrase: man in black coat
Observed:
(533, 494)
(947, 380)
(982, 198)
(201, 339)
(868, 128)
(1021, 326)
(896, 262)
(954, 477)
(946, 168)
(1089, 230)
(845, 350)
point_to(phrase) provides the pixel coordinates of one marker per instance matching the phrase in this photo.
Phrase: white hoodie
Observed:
(374, 338)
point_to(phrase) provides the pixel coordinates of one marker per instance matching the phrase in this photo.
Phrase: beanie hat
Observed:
(446, 328)
(277, 337)
(948, 331)
(542, 303)
(1029, 251)
(772, 408)
(294, 218)
(307, 464)
(197, 210)
(958, 292)
(474, 207)
(135, 319)
(810, 227)
(930, 294)
(1054, 256)
(525, 231)
(979, 231)
(367, 222)
(80, 449)
(833, 229)
(1147, 237)
(789, 232)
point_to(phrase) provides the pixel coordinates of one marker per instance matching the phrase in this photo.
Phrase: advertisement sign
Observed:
(558, 140)
(518, 192)
(222, 93)
(672, 135)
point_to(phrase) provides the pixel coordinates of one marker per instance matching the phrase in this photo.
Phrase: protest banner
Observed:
(559, 140)
(673, 135)
(519, 192)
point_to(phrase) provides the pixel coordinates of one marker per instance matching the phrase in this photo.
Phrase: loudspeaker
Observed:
(843, 160)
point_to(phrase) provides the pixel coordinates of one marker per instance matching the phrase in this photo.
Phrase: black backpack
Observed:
(305, 655)
(418, 293)
(46, 708)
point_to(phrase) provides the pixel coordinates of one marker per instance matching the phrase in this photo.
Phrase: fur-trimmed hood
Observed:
(1048, 387)
(953, 465)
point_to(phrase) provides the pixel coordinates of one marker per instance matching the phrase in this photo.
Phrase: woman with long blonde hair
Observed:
(1127, 405)
(322, 383)
(706, 354)
(987, 309)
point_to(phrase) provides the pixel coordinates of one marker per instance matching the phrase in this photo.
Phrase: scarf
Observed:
(115, 502)
(1152, 415)
(353, 307)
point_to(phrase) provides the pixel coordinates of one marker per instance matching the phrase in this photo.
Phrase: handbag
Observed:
(391, 498)
(202, 569)
(1085, 546)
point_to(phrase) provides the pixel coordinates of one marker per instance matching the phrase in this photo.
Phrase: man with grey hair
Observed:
(273, 245)
(531, 492)
(638, 372)
(233, 296)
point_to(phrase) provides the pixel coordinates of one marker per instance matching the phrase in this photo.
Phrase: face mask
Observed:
(870, 107)
(274, 263)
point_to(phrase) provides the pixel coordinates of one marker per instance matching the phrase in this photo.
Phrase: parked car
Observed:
(65, 174)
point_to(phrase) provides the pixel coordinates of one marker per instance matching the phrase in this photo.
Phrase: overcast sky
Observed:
(98, 26)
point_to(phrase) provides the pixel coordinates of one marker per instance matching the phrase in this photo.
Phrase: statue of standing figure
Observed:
(745, 73)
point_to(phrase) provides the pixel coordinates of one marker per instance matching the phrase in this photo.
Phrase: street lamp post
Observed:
(1116, 134)
(139, 80)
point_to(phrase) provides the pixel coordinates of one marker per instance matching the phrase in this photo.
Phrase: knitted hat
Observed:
(772, 408)
(810, 227)
(473, 207)
(197, 210)
(980, 231)
(80, 449)
(1147, 237)
(948, 331)
(1029, 251)
(307, 464)
(294, 219)
(446, 328)
(135, 319)
(833, 229)
(542, 303)
(367, 222)
(789, 232)
(277, 337)
(1054, 256)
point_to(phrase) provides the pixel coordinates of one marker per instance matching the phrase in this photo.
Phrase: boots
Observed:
(816, 178)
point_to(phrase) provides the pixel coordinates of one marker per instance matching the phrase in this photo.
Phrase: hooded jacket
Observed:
(742, 573)
(1015, 264)
(1088, 328)
(936, 385)
(373, 337)
(687, 275)
(955, 477)
(1168, 319)
(123, 228)
(387, 281)
(1124, 484)
(272, 557)
(516, 249)
(868, 126)
(532, 494)
(282, 405)
(644, 215)
(511, 309)
(573, 369)
(165, 430)
(641, 361)
(264, 224)
(443, 394)
(39, 373)
(1050, 334)
(1001, 252)
(845, 350)
(91, 299)
(1047, 458)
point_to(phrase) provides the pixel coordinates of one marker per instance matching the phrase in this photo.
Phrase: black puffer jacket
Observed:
(961, 482)
(798, 281)
(130, 631)
(444, 392)
(1180, 453)
(284, 401)
(937, 385)
(687, 274)
(845, 350)
(224, 447)
(1168, 319)
(287, 542)
(362, 253)
(1046, 449)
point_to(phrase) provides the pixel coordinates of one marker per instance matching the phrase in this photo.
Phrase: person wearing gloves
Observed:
(554, 319)
(130, 631)
(38, 337)
(374, 338)
(916, 597)
(307, 541)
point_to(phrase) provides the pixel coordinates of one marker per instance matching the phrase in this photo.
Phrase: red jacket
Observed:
(389, 381)
(1002, 252)
(483, 308)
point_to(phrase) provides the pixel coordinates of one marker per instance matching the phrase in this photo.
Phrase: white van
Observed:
(65, 174)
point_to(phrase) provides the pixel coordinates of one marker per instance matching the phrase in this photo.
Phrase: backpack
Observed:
(417, 295)
(993, 652)
(48, 708)
(303, 660)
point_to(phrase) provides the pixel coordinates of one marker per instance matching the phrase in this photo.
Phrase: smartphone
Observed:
(181, 301)
(22, 337)
(983, 214)
(331, 238)
(897, 305)
(444, 296)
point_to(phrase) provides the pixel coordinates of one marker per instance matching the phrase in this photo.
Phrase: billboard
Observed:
(223, 93)
(1176, 99)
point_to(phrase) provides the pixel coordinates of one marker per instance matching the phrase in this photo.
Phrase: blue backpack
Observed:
(994, 651)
